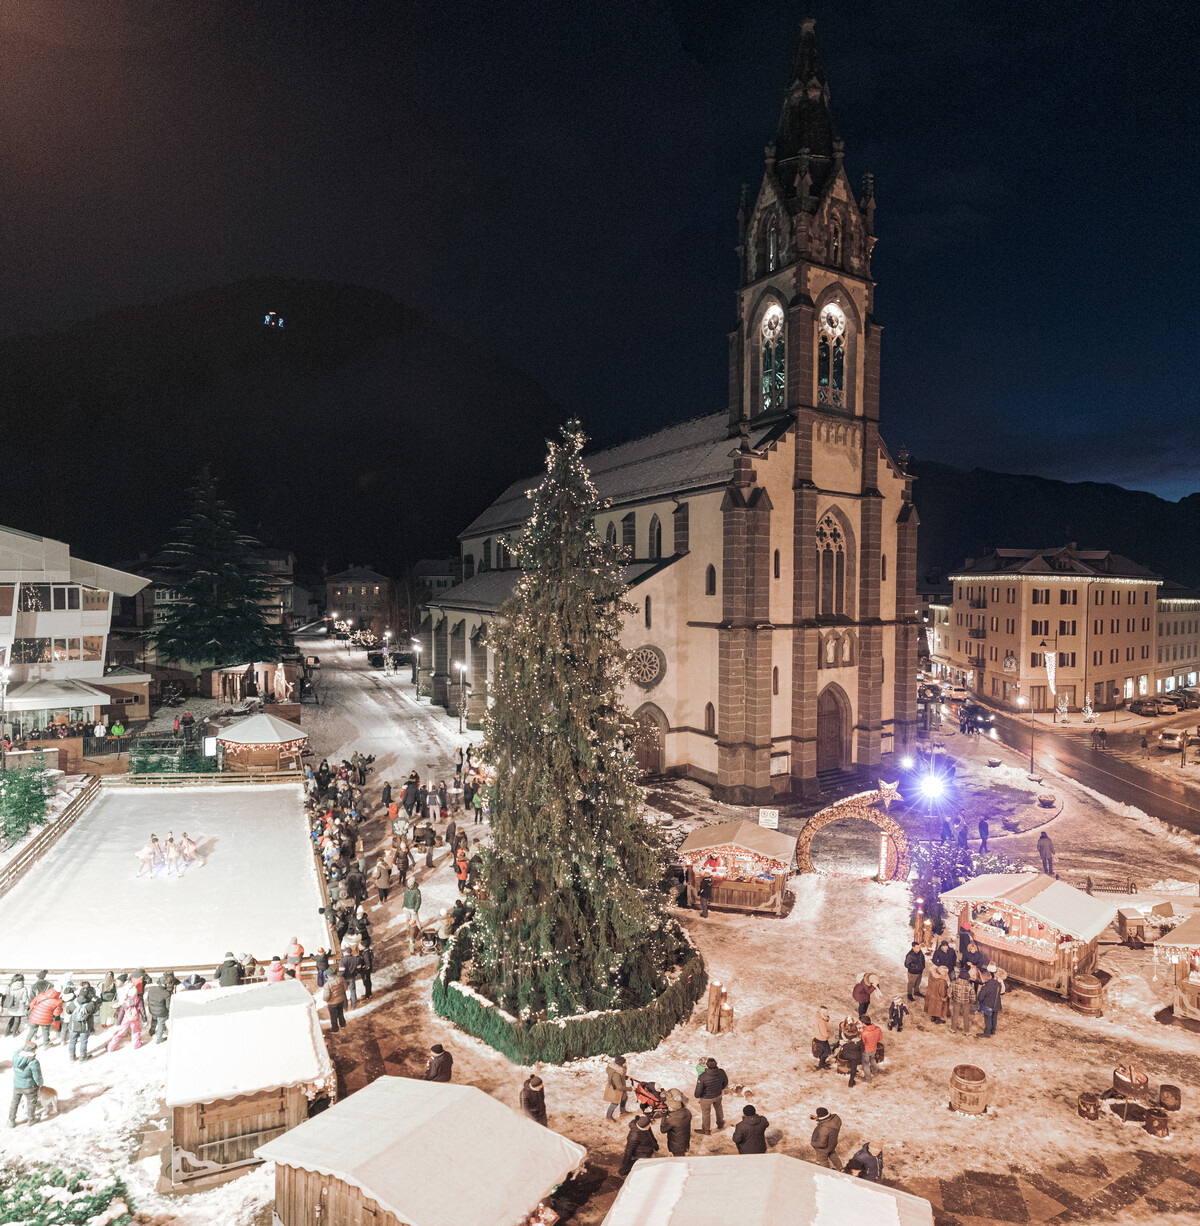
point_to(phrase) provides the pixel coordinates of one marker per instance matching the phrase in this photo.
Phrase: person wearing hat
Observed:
(640, 1143)
(825, 1138)
(440, 1064)
(533, 1099)
(710, 1086)
(677, 1124)
(865, 986)
(870, 1158)
(616, 1091)
(937, 995)
(27, 1080)
(750, 1135)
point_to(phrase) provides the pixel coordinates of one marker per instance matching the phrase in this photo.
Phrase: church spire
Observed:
(807, 145)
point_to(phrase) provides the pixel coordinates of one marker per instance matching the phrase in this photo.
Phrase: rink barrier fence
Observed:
(46, 839)
(611, 1032)
(162, 779)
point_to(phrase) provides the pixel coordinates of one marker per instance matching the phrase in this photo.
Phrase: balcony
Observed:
(977, 632)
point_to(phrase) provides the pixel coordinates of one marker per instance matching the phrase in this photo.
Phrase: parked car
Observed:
(1167, 706)
(959, 693)
(375, 659)
(973, 713)
(1187, 698)
(1144, 706)
(1171, 738)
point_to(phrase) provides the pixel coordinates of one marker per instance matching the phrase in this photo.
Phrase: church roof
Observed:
(1061, 560)
(692, 455)
(806, 121)
(489, 589)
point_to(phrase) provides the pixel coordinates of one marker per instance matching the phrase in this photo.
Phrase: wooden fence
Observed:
(49, 836)
(166, 779)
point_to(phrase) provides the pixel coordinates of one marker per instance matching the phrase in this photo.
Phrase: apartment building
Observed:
(1041, 624)
(1177, 650)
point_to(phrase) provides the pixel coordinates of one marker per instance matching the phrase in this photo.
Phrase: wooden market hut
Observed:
(402, 1152)
(1037, 929)
(263, 743)
(757, 1188)
(243, 1065)
(1181, 946)
(749, 864)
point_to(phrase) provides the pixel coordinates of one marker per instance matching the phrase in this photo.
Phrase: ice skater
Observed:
(187, 852)
(149, 856)
(171, 855)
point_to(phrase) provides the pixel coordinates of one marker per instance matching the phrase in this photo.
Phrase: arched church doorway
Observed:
(833, 730)
(649, 745)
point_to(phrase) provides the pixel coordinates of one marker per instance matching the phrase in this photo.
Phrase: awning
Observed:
(263, 729)
(1052, 902)
(54, 695)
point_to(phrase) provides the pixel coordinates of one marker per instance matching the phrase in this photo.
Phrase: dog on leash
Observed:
(48, 1100)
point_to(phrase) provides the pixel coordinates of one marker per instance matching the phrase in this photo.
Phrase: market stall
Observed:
(1038, 930)
(388, 1155)
(749, 864)
(263, 743)
(1181, 949)
(757, 1188)
(242, 1067)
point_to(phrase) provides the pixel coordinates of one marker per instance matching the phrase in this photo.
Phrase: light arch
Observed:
(866, 806)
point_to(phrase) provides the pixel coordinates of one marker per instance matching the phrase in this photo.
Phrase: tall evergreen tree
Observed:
(574, 919)
(221, 617)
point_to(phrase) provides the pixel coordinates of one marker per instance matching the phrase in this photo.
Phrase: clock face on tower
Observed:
(832, 320)
(772, 324)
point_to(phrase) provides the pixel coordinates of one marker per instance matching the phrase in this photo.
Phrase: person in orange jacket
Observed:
(43, 1009)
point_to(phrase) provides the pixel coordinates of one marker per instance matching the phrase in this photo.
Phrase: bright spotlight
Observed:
(932, 787)
(906, 763)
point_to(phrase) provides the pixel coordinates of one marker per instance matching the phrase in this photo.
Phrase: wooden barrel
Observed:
(968, 1089)
(1156, 1122)
(843, 1065)
(1169, 1098)
(1087, 995)
(1089, 1105)
(1123, 1084)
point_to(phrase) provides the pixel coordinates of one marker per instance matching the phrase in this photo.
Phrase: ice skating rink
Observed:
(81, 909)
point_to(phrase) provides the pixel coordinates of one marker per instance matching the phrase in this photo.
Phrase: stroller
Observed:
(649, 1099)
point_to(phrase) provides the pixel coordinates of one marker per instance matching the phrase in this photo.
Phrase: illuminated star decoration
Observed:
(889, 792)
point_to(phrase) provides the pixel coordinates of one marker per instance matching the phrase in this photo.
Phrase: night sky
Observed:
(559, 182)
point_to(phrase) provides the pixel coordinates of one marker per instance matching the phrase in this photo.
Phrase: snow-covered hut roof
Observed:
(759, 839)
(231, 1041)
(387, 1138)
(1053, 902)
(1183, 936)
(262, 729)
(724, 1188)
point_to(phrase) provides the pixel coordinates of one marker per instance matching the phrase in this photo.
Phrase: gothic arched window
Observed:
(710, 719)
(610, 533)
(776, 563)
(775, 680)
(655, 537)
(647, 612)
(774, 360)
(831, 357)
(836, 246)
(486, 564)
(710, 581)
(831, 568)
(773, 245)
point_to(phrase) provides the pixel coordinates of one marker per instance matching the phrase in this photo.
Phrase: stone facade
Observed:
(776, 626)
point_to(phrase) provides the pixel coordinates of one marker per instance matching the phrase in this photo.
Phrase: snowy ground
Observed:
(81, 909)
(777, 972)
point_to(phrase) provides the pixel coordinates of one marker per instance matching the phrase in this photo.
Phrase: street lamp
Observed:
(462, 669)
(416, 646)
(5, 678)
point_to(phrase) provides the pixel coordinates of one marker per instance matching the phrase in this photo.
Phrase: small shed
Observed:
(402, 1152)
(243, 1065)
(263, 743)
(1038, 930)
(749, 864)
(1181, 947)
(727, 1188)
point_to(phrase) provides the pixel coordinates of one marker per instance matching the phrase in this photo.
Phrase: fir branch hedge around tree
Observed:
(574, 918)
(602, 1032)
(37, 1195)
(24, 801)
(224, 589)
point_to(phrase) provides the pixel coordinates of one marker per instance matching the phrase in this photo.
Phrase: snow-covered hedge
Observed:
(44, 1196)
(612, 1032)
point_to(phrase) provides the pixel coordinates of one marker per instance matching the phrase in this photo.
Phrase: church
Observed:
(771, 545)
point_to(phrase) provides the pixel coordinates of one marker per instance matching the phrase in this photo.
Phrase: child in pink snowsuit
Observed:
(129, 1017)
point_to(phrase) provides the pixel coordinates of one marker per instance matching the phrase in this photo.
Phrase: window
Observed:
(1066, 627)
(610, 533)
(883, 568)
(35, 597)
(1066, 659)
(776, 563)
(1041, 595)
(775, 680)
(710, 719)
(710, 581)
(647, 612)
(93, 646)
(655, 537)
(831, 357)
(486, 564)
(31, 651)
(1099, 596)
(773, 245)
(831, 567)
(774, 359)
(835, 246)
(1037, 628)
(1068, 595)
(1036, 659)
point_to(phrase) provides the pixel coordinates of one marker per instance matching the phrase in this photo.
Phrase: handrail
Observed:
(190, 778)
(66, 819)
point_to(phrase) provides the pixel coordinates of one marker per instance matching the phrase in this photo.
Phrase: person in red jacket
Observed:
(43, 1009)
(871, 1035)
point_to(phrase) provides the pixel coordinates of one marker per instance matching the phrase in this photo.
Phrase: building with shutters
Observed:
(771, 545)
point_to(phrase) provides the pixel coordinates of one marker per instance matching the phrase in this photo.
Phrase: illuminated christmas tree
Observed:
(574, 919)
